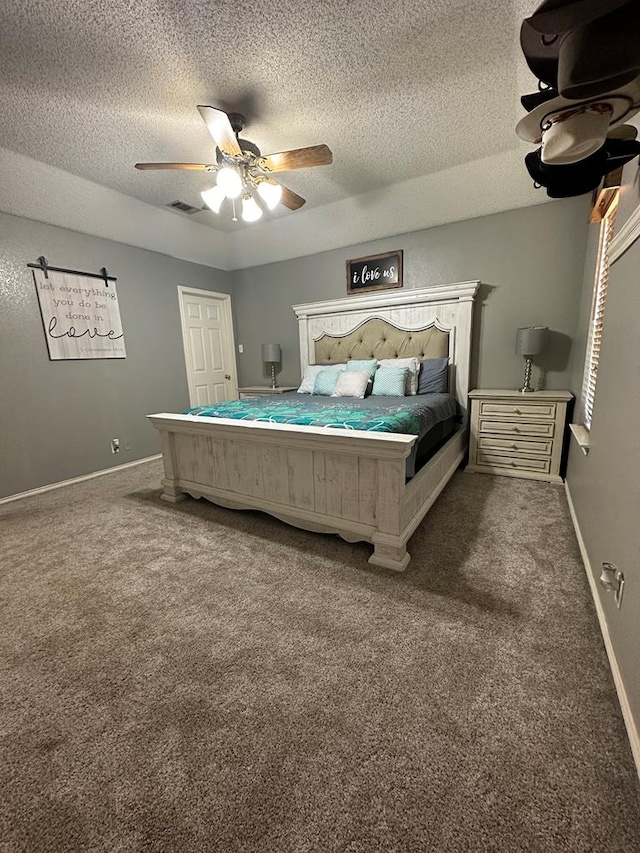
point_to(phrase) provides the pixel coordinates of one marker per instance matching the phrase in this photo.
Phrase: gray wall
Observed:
(57, 418)
(530, 262)
(605, 485)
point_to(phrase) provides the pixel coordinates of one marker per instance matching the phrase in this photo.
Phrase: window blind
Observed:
(597, 319)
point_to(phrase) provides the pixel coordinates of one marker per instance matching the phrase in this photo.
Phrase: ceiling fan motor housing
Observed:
(246, 146)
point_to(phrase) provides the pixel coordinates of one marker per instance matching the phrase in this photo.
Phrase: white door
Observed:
(209, 349)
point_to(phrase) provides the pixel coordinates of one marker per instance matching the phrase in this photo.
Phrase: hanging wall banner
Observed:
(80, 315)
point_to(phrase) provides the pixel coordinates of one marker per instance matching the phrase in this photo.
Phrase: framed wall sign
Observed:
(377, 272)
(80, 315)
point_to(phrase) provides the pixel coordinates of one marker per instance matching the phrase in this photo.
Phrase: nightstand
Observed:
(518, 435)
(260, 390)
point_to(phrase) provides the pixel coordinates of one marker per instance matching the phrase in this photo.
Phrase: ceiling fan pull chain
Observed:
(234, 218)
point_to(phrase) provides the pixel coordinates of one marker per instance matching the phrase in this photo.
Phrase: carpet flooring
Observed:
(189, 678)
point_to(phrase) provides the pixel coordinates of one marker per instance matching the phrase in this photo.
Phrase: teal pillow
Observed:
(364, 366)
(326, 381)
(390, 382)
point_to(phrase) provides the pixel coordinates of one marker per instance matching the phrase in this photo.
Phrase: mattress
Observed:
(431, 417)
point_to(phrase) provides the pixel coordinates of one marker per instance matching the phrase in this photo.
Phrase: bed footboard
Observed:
(347, 482)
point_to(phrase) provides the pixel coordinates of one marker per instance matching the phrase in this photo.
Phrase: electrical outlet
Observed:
(127, 444)
(240, 348)
(115, 445)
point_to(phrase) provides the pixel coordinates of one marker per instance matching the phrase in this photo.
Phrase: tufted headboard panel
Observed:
(427, 322)
(377, 338)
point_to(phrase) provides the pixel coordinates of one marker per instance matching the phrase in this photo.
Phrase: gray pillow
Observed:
(434, 376)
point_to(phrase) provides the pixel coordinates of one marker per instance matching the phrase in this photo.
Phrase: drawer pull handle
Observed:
(515, 429)
(517, 411)
(514, 446)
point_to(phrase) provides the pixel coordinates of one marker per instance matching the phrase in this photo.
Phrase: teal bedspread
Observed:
(410, 415)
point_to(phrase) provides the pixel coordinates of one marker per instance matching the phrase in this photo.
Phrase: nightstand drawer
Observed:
(518, 410)
(520, 463)
(516, 445)
(517, 428)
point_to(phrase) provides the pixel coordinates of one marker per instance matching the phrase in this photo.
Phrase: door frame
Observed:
(227, 321)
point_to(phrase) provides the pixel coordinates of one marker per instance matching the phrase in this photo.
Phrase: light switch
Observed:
(240, 349)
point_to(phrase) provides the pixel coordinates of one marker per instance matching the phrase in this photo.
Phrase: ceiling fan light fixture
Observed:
(270, 192)
(251, 211)
(213, 198)
(229, 182)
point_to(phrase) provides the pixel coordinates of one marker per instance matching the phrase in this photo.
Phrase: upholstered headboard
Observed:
(430, 322)
(377, 338)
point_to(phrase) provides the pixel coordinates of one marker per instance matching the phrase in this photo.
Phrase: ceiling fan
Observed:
(242, 169)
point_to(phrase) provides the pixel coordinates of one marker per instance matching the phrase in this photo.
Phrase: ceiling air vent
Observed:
(183, 207)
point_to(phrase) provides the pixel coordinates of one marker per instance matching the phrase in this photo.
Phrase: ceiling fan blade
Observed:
(197, 167)
(220, 128)
(291, 200)
(299, 158)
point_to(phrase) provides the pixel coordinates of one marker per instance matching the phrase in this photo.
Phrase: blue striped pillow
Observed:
(390, 382)
(364, 365)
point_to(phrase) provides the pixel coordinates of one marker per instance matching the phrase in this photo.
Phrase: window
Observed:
(594, 340)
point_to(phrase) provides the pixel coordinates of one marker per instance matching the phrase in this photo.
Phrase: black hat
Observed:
(558, 16)
(530, 102)
(589, 60)
(584, 176)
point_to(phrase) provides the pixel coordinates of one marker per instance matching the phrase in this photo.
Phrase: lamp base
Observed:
(526, 388)
(274, 384)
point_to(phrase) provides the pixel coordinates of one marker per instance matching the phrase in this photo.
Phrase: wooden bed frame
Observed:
(348, 482)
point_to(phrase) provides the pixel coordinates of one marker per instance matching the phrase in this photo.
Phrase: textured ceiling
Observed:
(396, 89)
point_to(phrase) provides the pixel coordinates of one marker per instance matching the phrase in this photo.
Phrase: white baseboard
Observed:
(627, 714)
(74, 480)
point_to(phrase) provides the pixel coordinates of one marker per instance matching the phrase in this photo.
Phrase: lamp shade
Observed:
(271, 353)
(531, 340)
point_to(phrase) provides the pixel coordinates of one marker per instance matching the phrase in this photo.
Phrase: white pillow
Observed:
(311, 371)
(352, 383)
(413, 364)
(309, 378)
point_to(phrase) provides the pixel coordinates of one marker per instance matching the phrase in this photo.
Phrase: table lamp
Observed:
(530, 341)
(271, 354)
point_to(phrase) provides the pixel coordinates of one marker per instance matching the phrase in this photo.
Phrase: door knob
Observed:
(227, 376)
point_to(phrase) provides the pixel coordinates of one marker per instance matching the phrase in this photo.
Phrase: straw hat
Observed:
(571, 130)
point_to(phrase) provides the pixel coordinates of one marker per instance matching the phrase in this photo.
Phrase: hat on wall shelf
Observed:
(535, 99)
(587, 61)
(571, 130)
(530, 341)
(558, 16)
(272, 354)
(585, 176)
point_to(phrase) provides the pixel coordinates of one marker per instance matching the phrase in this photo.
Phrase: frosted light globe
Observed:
(270, 193)
(213, 198)
(250, 209)
(229, 182)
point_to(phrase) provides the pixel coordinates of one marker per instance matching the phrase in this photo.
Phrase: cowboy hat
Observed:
(623, 131)
(572, 130)
(558, 16)
(585, 176)
(589, 60)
